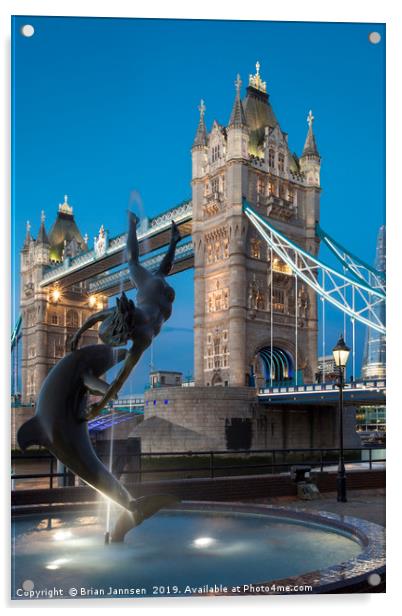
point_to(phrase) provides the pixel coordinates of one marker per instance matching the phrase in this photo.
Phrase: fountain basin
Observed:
(194, 549)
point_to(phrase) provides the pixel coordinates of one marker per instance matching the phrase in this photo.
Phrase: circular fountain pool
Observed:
(191, 549)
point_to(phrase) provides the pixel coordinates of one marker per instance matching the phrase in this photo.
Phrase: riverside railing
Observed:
(207, 464)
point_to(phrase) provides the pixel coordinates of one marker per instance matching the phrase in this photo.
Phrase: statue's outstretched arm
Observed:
(132, 359)
(167, 262)
(138, 273)
(90, 322)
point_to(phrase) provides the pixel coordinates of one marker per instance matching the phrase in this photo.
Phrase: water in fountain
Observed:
(111, 451)
(135, 204)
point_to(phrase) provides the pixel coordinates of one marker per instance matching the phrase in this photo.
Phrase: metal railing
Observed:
(322, 387)
(211, 464)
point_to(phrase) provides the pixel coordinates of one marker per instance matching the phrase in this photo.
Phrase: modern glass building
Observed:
(375, 352)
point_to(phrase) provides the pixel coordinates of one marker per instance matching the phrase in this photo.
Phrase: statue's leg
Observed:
(132, 358)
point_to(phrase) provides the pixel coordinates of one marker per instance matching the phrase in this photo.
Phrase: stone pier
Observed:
(231, 418)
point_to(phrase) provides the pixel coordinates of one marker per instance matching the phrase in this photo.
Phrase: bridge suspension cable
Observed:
(356, 298)
(16, 333)
(351, 263)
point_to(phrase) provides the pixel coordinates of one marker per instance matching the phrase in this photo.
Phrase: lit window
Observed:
(256, 248)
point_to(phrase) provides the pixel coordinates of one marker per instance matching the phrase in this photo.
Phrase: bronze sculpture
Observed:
(62, 412)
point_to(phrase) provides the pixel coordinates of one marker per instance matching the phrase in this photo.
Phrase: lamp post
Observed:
(341, 356)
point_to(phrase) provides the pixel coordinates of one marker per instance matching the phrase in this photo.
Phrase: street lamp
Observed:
(341, 356)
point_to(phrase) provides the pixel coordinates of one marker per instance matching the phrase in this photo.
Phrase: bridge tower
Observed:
(49, 317)
(239, 284)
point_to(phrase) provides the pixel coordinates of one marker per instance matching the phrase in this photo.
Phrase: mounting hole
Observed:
(374, 579)
(374, 37)
(27, 30)
(28, 585)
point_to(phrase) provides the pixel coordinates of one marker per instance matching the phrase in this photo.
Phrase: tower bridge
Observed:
(251, 232)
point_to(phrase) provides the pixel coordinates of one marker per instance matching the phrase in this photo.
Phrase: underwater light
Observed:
(55, 564)
(62, 535)
(204, 542)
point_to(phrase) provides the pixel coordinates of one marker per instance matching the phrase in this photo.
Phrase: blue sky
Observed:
(105, 108)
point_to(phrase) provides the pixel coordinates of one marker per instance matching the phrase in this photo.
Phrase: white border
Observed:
(293, 10)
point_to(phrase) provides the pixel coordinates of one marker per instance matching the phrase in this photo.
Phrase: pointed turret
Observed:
(258, 111)
(237, 117)
(199, 149)
(310, 146)
(200, 139)
(310, 161)
(42, 235)
(28, 237)
(64, 229)
(237, 130)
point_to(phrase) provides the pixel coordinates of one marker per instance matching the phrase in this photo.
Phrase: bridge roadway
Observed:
(358, 393)
(153, 235)
(123, 410)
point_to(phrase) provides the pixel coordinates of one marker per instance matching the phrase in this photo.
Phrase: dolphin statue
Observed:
(60, 424)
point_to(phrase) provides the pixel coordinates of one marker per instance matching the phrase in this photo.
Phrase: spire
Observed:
(237, 117)
(310, 146)
(28, 236)
(255, 81)
(42, 235)
(65, 208)
(201, 134)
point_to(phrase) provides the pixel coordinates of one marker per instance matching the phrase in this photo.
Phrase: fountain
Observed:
(196, 548)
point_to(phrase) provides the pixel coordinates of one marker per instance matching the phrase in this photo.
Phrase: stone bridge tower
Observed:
(239, 284)
(50, 316)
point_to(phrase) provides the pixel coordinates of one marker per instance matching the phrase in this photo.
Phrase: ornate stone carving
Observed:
(256, 295)
(217, 245)
(303, 302)
(218, 299)
(100, 242)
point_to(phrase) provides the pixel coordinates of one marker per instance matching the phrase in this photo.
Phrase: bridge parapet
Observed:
(179, 213)
(373, 385)
(356, 393)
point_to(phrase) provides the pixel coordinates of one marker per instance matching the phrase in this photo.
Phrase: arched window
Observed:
(256, 248)
(281, 162)
(291, 196)
(215, 153)
(271, 157)
(72, 318)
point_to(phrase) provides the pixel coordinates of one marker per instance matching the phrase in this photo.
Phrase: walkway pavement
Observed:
(366, 504)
